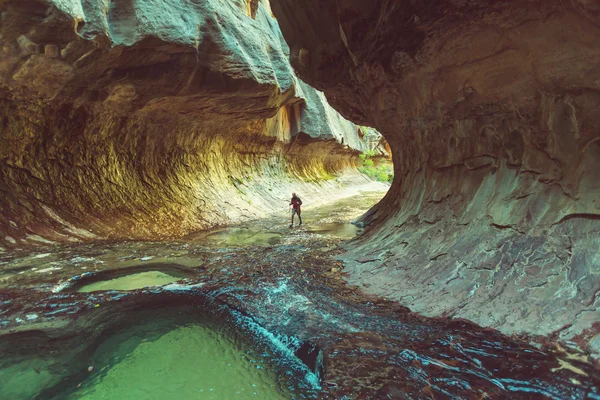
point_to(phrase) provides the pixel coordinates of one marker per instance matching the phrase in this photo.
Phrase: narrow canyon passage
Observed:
(447, 154)
(132, 319)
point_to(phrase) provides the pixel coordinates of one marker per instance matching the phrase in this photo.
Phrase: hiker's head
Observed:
(294, 194)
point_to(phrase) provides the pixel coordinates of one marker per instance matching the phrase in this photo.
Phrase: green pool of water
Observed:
(338, 230)
(199, 350)
(188, 362)
(245, 236)
(131, 282)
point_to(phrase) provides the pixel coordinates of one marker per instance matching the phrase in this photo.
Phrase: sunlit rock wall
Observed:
(491, 111)
(151, 119)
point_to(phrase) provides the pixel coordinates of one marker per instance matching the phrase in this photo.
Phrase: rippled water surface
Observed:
(189, 362)
(198, 351)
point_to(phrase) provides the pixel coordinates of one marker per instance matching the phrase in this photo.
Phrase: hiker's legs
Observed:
(300, 217)
(293, 212)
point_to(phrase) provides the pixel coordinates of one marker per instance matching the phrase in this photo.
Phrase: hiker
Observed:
(296, 203)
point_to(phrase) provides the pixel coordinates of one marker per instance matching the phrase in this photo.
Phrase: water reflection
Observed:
(131, 282)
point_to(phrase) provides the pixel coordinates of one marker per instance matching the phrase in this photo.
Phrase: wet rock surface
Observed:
(490, 110)
(364, 346)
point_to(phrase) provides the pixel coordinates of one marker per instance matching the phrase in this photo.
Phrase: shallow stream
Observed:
(254, 311)
(331, 221)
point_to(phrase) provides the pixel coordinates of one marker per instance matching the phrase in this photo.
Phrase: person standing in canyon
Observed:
(296, 203)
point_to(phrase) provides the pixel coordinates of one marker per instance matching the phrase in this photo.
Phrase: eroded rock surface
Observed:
(292, 294)
(491, 111)
(144, 119)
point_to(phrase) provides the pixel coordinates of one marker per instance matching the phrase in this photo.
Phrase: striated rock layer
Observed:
(491, 111)
(145, 119)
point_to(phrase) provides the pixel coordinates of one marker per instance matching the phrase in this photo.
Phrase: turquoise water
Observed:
(189, 362)
(197, 351)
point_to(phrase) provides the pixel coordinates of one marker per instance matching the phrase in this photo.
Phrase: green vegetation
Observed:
(382, 173)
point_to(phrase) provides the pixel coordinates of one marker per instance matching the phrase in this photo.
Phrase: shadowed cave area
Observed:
(446, 154)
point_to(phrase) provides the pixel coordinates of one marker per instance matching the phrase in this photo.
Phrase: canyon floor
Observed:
(279, 294)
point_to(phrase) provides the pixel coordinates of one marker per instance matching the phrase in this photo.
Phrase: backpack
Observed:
(296, 201)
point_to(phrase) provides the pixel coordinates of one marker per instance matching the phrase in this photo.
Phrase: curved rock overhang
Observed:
(140, 119)
(491, 111)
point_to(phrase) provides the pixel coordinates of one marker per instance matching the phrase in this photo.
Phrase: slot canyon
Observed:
(447, 154)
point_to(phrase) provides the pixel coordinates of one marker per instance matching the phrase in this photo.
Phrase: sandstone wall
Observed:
(150, 119)
(491, 111)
